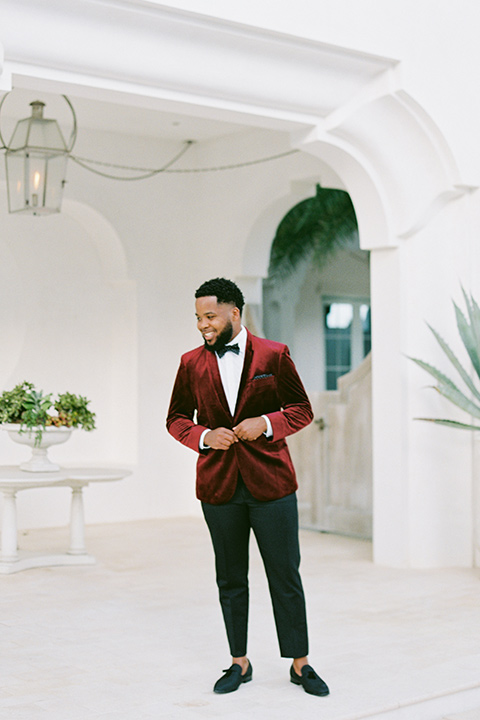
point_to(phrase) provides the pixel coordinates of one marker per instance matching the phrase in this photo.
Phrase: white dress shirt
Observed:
(230, 367)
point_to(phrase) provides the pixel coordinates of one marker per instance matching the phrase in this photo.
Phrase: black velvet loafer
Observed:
(232, 679)
(310, 681)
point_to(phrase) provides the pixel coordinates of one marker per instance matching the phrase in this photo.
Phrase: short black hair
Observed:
(224, 290)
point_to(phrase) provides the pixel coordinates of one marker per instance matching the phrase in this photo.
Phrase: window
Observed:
(347, 337)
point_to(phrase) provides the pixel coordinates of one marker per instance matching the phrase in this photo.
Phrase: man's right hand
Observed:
(220, 439)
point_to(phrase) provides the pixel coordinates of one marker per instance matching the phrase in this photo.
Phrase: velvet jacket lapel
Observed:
(216, 382)
(247, 364)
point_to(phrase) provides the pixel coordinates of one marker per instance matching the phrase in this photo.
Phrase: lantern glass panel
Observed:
(37, 134)
(15, 171)
(46, 134)
(20, 135)
(55, 173)
(35, 181)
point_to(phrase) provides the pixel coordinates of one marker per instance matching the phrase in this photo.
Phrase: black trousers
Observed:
(275, 525)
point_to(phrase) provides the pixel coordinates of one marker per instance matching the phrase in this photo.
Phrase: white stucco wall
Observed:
(398, 128)
(115, 334)
(435, 41)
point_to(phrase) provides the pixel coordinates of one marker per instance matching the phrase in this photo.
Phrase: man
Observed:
(234, 401)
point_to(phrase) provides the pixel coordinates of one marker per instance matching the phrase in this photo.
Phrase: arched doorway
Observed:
(321, 309)
(316, 297)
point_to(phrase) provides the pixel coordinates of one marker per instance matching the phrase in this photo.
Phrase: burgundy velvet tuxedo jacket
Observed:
(269, 385)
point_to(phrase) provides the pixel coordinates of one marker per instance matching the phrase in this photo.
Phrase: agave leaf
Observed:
(437, 374)
(459, 399)
(448, 389)
(468, 338)
(474, 312)
(474, 316)
(450, 423)
(456, 363)
(469, 330)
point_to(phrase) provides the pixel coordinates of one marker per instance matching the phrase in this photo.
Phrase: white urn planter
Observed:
(39, 461)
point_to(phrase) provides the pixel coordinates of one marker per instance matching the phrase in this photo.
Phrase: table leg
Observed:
(77, 524)
(9, 527)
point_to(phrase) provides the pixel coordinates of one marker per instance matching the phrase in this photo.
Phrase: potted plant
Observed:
(38, 420)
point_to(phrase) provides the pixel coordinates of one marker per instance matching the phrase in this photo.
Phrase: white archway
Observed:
(351, 110)
(396, 196)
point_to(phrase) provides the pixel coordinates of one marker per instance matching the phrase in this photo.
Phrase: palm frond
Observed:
(316, 226)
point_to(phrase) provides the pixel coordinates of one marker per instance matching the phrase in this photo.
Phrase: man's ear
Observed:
(236, 313)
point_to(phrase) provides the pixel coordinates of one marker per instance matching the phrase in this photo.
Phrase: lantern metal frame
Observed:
(36, 173)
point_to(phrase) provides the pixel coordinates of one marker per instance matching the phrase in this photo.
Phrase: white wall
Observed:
(74, 330)
(424, 472)
(399, 129)
(436, 42)
(107, 307)
(440, 475)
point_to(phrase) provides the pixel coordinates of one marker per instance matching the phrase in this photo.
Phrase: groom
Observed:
(247, 397)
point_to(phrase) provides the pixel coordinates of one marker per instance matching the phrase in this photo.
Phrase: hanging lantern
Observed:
(36, 163)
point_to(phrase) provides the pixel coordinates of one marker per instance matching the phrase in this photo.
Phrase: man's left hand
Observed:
(250, 429)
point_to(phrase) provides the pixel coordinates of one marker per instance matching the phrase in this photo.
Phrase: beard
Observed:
(223, 338)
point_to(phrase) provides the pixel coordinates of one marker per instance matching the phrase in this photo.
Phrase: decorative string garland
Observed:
(151, 172)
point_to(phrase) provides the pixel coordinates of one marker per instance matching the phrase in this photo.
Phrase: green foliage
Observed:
(315, 227)
(12, 403)
(469, 330)
(31, 409)
(73, 408)
(36, 410)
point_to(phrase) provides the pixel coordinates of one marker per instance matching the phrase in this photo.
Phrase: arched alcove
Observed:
(72, 309)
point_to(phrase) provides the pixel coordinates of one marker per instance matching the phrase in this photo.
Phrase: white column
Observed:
(77, 524)
(391, 482)
(9, 527)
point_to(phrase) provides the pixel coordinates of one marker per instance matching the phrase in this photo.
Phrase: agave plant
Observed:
(469, 330)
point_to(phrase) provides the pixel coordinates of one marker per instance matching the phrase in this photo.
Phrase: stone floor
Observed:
(139, 635)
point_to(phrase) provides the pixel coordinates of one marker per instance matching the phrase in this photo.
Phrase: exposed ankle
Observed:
(299, 663)
(243, 662)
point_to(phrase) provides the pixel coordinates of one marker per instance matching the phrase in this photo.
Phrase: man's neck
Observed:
(235, 334)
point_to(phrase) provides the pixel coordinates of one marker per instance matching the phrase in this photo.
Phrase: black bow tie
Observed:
(234, 348)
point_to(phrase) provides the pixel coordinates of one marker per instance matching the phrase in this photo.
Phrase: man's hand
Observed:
(250, 429)
(220, 439)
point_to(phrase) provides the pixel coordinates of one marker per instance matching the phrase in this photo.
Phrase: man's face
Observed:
(218, 322)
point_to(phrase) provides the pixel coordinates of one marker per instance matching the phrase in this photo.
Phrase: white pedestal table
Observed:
(12, 480)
